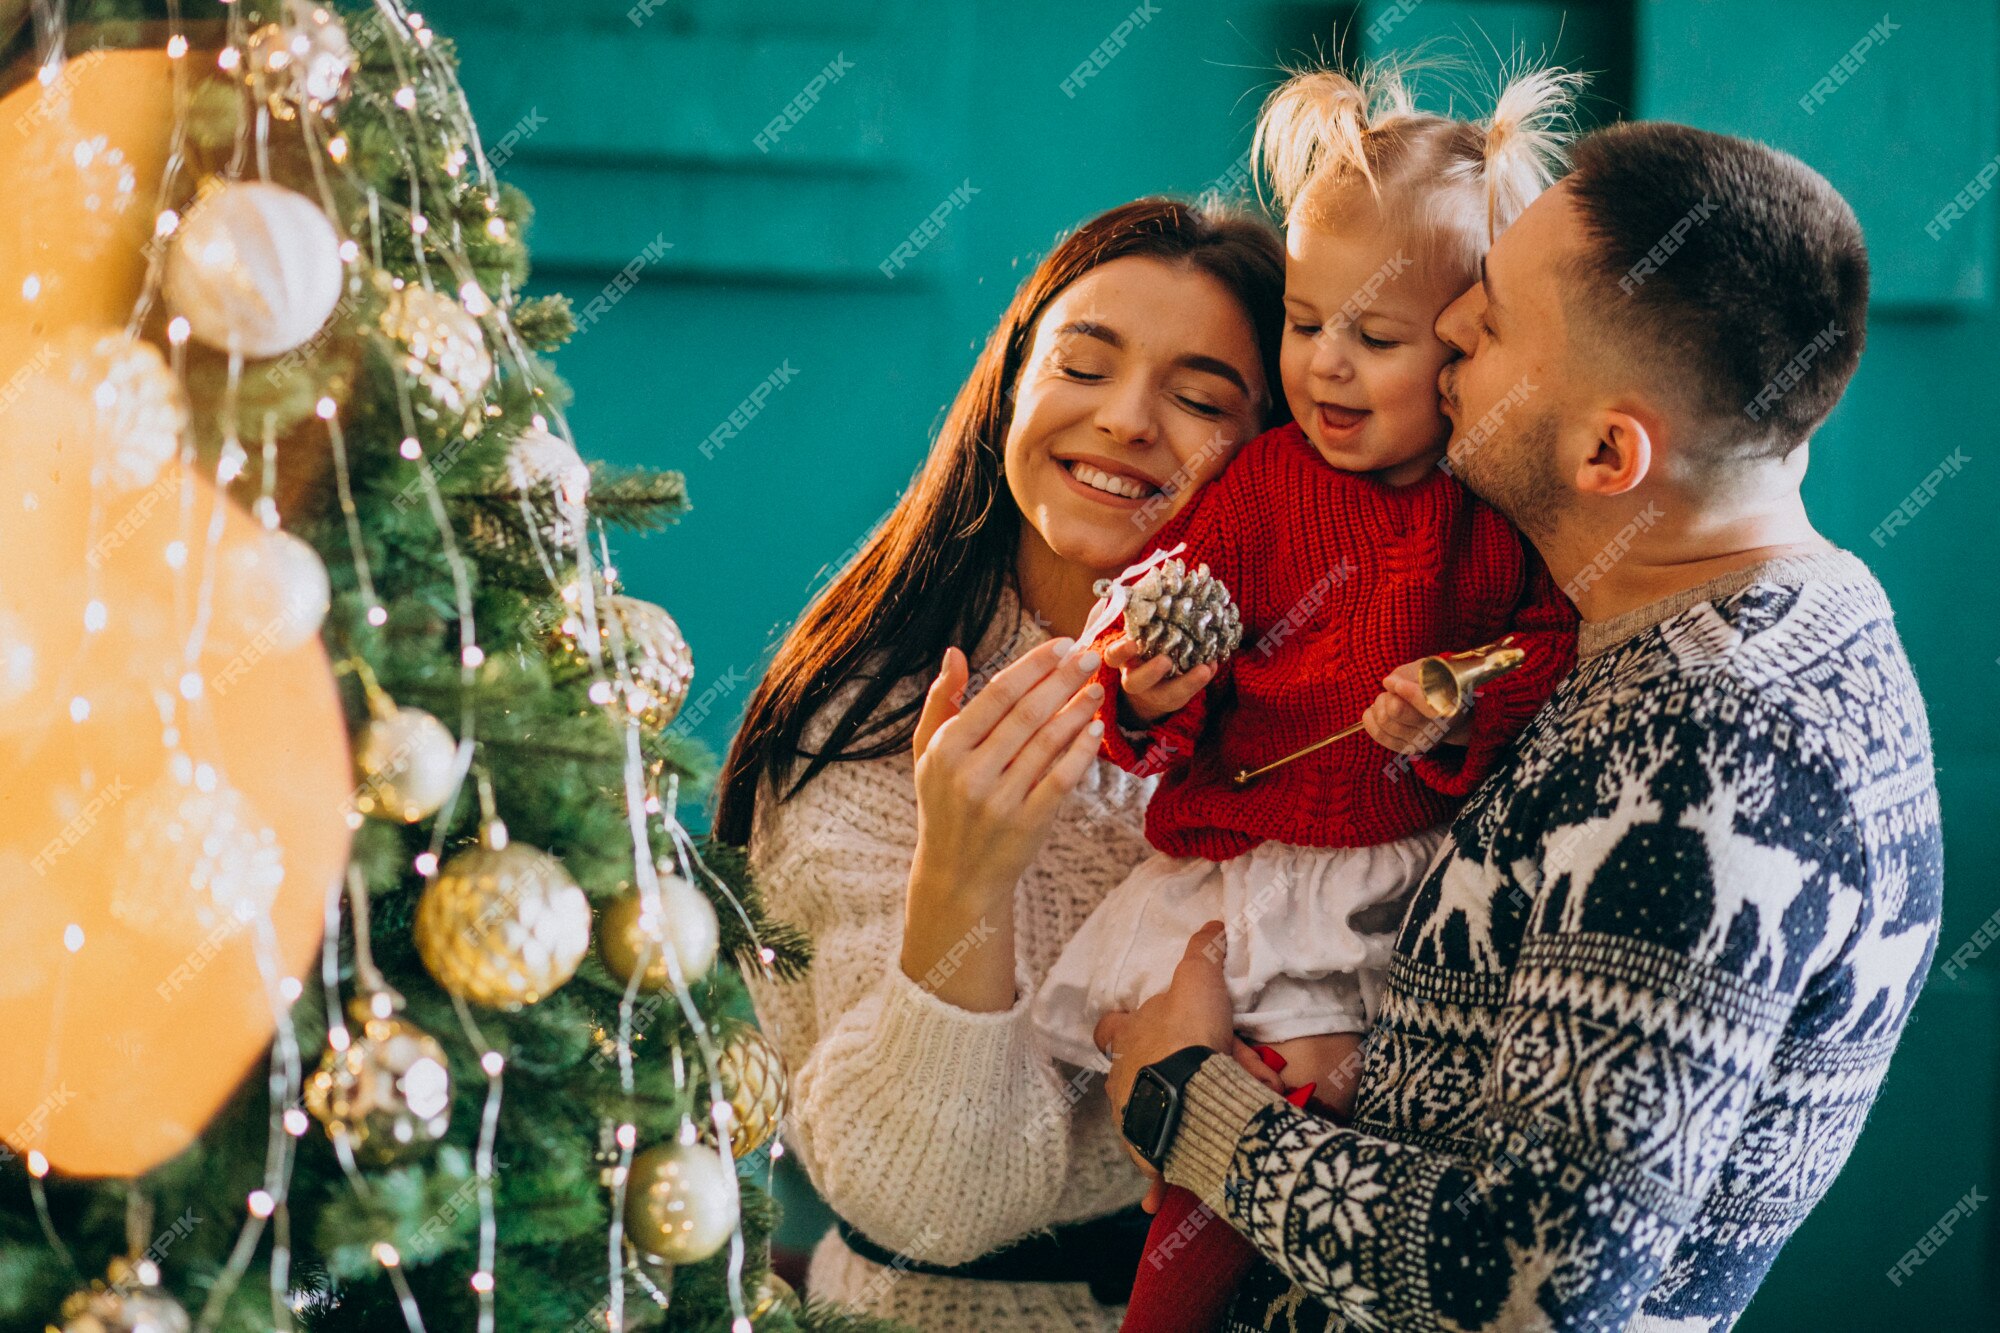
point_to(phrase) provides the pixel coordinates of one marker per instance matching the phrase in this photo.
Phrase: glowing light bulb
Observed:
(178, 330)
(73, 937)
(177, 46)
(473, 655)
(411, 450)
(427, 864)
(95, 616)
(482, 1281)
(38, 1165)
(378, 615)
(296, 1123)
(406, 98)
(289, 989)
(262, 1204)
(336, 148)
(493, 1062)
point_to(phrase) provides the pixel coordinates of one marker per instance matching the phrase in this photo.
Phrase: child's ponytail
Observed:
(1316, 125)
(1525, 140)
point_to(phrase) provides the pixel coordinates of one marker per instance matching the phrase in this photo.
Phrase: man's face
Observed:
(1505, 392)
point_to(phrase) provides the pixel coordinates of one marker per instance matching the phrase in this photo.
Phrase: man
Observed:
(1643, 999)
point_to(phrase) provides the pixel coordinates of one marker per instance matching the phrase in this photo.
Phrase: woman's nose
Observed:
(1126, 413)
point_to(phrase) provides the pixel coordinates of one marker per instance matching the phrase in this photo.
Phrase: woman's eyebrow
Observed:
(1193, 360)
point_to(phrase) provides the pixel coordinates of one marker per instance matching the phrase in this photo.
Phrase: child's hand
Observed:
(1401, 719)
(1149, 688)
(1330, 1062)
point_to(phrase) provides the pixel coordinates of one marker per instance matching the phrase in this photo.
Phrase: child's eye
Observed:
(1379, 344)
(1305, 330)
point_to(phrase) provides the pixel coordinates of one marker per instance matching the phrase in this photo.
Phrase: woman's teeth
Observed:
(1099, 480)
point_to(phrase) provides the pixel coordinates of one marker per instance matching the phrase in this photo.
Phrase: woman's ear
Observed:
(1620, 456)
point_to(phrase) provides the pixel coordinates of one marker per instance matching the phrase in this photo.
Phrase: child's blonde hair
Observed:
(1453, 184)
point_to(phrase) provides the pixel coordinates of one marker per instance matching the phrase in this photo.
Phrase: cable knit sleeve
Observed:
(1544, 626)
(937, 1132)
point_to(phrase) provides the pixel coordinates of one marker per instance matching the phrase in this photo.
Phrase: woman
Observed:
(1128, 367)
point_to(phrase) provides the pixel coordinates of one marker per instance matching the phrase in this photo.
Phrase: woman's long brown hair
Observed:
(932, 575)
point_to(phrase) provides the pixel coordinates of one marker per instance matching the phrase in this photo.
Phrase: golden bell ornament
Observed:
(502, 925)
(658, 665)
(680, 1202)
(1447, 680)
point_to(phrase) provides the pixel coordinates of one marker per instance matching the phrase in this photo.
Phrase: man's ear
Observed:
(1620, 454)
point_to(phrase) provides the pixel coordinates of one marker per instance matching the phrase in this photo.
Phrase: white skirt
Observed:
(1308, 933)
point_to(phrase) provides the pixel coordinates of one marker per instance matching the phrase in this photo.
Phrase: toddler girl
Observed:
(1351, 552)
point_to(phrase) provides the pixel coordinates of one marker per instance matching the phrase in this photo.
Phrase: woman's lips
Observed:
(1102, 497)
(1340, 423)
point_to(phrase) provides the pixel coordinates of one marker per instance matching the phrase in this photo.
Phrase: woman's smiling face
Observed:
(1142, 379)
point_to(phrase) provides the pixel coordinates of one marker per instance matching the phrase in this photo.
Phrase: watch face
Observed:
(1146, 1114)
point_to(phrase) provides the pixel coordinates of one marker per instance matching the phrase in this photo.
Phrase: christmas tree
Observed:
(483, 1073)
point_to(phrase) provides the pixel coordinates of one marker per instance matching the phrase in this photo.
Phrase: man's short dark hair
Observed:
(1731, 272)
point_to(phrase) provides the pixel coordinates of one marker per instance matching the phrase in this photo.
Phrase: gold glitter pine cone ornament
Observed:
(503, 924)
(387, 1093)
(658, 664)
(753, 1078)
(1185, 613)
(443, 350)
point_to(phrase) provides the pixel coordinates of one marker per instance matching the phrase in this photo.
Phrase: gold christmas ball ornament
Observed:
(680, 1202)
(443, 350)
(272, 591)
(658, 665)
(773, 1293)
(255, 268)
(301, 62)
(502, 925)
(129, 1300)
(128, 404)
(408, 765)
(555, 481)
(685, 925)
(753, 1078)
(388, 1094)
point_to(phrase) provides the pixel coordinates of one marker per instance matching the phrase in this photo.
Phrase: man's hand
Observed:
(1402, 719)
(1148, 688)
(1192, 1011)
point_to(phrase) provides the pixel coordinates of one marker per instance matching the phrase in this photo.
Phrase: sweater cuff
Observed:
(936, 1039)
(1216, 1107)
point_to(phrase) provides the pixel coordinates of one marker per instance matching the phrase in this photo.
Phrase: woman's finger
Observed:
(1063, 775)
(941, 702)
(1049, 743)
(1009, 687)
(1031, 712)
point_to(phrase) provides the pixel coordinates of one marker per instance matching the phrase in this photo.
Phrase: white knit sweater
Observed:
(938, 1133)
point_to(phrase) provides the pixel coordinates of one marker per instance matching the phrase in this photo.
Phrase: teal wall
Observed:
(629, 133)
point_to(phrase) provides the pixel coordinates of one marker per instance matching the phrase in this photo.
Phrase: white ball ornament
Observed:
(272, 591)
(132, 406)
(254, 267)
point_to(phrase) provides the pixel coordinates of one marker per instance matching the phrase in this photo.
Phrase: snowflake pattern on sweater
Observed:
(1641, 1004)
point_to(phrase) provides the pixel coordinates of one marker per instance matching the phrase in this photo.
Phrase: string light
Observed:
(177, 46)
(230, 58)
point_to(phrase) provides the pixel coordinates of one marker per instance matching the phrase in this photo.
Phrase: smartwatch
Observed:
(1153, 1111)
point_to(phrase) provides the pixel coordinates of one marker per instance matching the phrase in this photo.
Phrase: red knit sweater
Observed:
(1340, 580)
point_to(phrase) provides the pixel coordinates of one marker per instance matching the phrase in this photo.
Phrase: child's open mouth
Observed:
(1100, 484)
(1340, 422)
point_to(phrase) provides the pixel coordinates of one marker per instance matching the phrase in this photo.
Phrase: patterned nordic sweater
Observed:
(1641, 1003)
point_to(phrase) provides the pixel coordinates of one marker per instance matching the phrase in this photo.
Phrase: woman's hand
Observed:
(990, 778)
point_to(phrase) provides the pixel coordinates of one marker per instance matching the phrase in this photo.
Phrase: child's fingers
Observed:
(1391, 725)
(1411, 693)
(1121, 652)
(1147, 675)
(1176, 692)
